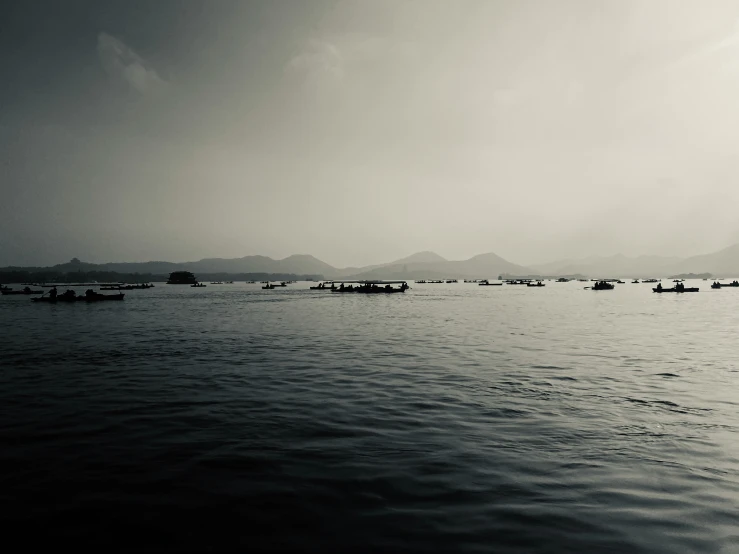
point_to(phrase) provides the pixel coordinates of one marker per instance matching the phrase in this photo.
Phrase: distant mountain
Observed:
(611, 266)
(724, 263)
(427, 265)
(298, 264)
(420, 258)
(478, 267)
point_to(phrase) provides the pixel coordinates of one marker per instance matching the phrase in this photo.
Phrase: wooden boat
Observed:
(324, 286)
(562, 280)
(539, 284)
(268, 286)
(603, 285)
(675, 289)
(128, 287)
(718, 285)
(372, 287)
(25, 291)
(64, 298)
(489, 284)
(198, 285)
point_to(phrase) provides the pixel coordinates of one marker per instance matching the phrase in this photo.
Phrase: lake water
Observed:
(451, 418)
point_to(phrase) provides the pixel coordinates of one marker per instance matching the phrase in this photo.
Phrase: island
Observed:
(181, 278)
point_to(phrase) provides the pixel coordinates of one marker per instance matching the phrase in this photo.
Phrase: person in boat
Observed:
(53, 293)
(659, 286)
(26, 289)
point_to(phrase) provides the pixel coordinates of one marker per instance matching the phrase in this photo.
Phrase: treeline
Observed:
(21, 276)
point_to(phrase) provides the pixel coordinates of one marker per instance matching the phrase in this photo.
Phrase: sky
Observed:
(361, 132)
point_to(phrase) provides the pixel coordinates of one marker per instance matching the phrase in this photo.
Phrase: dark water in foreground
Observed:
(454, 418)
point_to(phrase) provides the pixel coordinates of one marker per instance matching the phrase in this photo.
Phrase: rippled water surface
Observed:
(452, 418)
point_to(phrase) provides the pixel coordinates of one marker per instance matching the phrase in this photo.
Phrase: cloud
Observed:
(122, 63)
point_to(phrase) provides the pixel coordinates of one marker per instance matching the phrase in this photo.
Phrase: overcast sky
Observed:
(361, 132)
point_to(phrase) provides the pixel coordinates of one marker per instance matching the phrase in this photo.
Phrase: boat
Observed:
(71, 296)
(372, 287)
(651, 280)
(216, 282)
(562, 280)
(451, 280)
(198, 285)
(324, 286)
(537, 284)
(517, 281)
(142, 286)
(26, 291)
(181, 278)
(635, 282)
(5, 289)
(603, 285)
(718, 285)
(676, 289)
(268, 286)
(421, 282)
(487, 283)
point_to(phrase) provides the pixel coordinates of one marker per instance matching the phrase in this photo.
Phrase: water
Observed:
(453, 418)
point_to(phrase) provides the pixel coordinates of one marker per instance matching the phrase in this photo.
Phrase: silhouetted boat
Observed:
(323, 286)
(372, 287)
(487, 283)
(538, 284)
(675, 289)
(603, 285)
(562, 280)
(64, 298)
(198, 285)
(142, 286)
(23, 291)
(718, 285)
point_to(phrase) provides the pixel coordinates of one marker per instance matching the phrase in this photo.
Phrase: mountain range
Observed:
(429, 265)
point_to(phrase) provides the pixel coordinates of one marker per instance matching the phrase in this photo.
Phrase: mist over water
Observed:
(451, 418)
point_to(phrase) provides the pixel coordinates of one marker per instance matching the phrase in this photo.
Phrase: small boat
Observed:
(23, 291)
(324, 286)
(198, 285)
(562, 280)
(268, 287)
(216, 283)
(635, 282)
(487, 283)
(603, 285)
(650, 280)
(451, 280)
(5, 289)
(421, 282)
(537, 284)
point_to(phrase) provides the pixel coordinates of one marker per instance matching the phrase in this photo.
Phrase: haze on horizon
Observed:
(361, 132)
